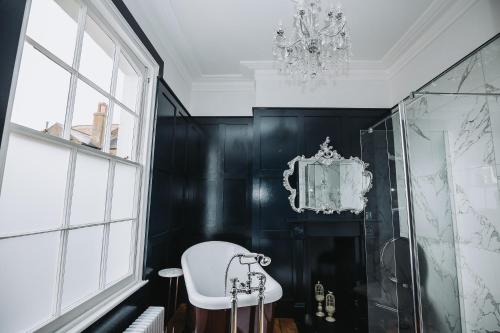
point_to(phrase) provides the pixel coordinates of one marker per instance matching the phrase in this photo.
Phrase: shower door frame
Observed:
(415, 273)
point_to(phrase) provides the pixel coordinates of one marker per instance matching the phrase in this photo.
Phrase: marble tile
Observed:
(494, 108)
(472, 142)
(481, 289)
(491, 63)
(427, 150)
(477, 204)
(432, 206)
(454, 144)
(465, 77)
(440, 291)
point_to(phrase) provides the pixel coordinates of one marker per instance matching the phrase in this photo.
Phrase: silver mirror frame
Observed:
(326, 156)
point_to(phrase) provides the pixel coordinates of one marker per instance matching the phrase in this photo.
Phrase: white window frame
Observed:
(112, 22)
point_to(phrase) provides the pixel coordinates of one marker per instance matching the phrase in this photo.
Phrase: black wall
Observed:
(239, 197)
(221, 182)
(11, 20)
(308, 247)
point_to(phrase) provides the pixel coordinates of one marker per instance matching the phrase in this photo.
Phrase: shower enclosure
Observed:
(432, 223)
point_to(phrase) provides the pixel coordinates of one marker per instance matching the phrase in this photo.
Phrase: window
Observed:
(73, 167)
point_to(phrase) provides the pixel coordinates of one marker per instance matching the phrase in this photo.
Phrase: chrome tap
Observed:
(238, 287)
(247, 259)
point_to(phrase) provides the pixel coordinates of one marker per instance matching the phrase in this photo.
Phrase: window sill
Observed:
(89, 317)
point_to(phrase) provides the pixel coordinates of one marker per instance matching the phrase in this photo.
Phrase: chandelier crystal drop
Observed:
(318, 44)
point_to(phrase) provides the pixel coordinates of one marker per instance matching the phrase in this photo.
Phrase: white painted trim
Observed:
(435, 10)
(429, 25)
(420, 42)
(84, 321)
(172, 43)
(223, 84)
(351, 75)
(368, 65)
(94, 306)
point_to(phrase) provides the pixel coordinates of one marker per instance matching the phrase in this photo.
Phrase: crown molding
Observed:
(427, 28)
(164, 42)
(224, 82)
(434, 21)
(358, 70)
(435, 10)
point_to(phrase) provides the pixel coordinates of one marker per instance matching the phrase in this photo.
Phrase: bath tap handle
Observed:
(257, 258)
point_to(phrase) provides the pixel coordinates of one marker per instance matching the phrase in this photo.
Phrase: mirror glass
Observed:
(328, 182)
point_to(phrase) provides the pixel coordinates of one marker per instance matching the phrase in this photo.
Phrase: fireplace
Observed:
(331, 252)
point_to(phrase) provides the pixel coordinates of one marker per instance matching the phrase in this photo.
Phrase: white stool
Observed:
(171, 273)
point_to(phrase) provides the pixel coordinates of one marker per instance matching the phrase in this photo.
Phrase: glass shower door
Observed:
(388, 270)
(430, 140)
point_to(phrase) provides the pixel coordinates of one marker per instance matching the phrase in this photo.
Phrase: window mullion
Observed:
(64, 233)
(109, 118)
(68, 119)
(107, 218)
(136, 141)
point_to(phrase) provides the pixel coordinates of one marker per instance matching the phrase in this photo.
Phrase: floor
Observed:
(178, 322)
(284, 325)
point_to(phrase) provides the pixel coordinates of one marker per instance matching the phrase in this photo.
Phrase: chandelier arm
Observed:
(302, 27)
(338, 32)
(288, 45)
(325, 27)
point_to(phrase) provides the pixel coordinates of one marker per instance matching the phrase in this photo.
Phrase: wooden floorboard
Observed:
(177, 323)
(284, 325)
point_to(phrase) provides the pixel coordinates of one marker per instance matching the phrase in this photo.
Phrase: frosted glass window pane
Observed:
(27, 280)
(119, 251)
(89, 117)
(89, 190)
(123, 192)
(127, 85)
(122, 133)
(39, 105)
(34, 184)
(83, 262)
(53, 24)
(98, 49)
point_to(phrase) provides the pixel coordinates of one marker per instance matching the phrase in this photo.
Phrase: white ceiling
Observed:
(214, 36)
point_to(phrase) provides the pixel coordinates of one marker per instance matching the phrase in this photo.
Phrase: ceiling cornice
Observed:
(429, 28)
(164, 42)
(433, 21)
(224, 82)
(435, 10)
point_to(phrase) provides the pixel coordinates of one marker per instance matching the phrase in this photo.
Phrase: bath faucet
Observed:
(247, 259)
(238, 287)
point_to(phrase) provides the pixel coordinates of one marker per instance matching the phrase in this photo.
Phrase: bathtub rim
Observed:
(272, 294)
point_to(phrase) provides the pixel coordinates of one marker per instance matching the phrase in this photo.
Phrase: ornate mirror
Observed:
(328, 182)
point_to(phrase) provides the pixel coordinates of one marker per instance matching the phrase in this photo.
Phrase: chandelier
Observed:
(314, 47)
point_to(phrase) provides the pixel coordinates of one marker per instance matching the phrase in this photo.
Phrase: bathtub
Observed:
(204, 267)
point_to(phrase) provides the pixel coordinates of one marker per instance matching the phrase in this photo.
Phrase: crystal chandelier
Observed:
(313, 48)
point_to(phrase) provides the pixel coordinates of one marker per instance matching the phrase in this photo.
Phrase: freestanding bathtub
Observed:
(204, 266)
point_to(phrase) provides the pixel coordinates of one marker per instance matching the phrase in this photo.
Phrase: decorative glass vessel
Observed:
(330, 307)
(319, 294)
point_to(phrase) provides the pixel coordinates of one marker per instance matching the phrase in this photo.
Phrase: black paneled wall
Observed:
(221, 182)
(308, 247)
(238, 193)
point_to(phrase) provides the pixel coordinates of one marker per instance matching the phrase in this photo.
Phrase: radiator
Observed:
(151, 321)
